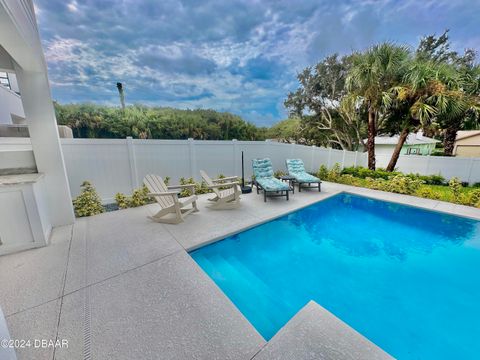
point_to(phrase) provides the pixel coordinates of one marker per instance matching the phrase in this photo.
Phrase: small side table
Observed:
(290, 180)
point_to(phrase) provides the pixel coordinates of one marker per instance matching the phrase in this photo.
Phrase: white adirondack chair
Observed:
(226, 198)
(172, 208)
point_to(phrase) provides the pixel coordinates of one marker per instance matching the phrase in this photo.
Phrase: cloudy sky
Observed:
(237, 56)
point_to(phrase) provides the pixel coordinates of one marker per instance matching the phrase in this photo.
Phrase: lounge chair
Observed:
(172, 208)
(296, 169)
(264, 179)
(226, 190)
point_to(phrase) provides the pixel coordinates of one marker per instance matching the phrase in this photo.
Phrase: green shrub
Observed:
(428, 193)
(363, 173)
(456, 187)
(348, 179)
(334, 173)
(186, 191)
(166, 180)
(402, 184)
(202, 188)
(140, 197)
(279, 173)
(434, 180)
(322, 173)
(429, 179)
(88, 203)
(474, 198)
(376, 184)
(439, 152)
(121, 200)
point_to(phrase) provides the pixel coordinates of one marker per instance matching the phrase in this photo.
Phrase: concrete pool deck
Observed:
(118, 285)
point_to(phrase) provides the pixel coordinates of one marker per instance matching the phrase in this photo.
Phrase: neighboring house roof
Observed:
(463, 134)
(412, 139)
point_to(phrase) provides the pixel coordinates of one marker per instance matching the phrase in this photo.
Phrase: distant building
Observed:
(416, 144)
(467, 143)
(11, 108)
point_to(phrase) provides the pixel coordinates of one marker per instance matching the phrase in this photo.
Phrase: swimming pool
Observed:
(407, 279)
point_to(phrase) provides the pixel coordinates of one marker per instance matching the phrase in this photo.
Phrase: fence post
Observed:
(356, 159)
(269, 147)
(329, 159)
(235, 158)
(343, 158)
(312, 159)
(133, 163)
(192, 158)
(472, 160)
(427, 165)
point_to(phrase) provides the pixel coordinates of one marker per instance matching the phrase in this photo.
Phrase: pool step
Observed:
(315, 333)
(230, 274)
(265, 300)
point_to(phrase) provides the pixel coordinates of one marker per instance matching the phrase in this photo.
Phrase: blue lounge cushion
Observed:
(263, 172)
(262, 168)
(296, 168)
(272, 184)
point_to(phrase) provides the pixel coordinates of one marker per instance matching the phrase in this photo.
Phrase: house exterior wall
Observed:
(423, 149)
(19, 38)
(467, 151)
(384, 149)
(469, 147)
(13, 82)
(10, 104)
(387, 150)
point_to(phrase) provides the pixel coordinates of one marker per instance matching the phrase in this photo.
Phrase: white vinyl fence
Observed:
(466, 169)
(119, 165)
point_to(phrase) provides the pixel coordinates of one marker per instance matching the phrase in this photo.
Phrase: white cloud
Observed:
(72, 6)
(227, 55)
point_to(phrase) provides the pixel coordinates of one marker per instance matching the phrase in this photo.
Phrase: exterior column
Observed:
(42, 126)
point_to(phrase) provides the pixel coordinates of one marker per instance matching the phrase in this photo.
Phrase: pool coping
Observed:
(315, 333)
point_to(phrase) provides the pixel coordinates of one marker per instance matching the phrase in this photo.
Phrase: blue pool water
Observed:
(407, 279)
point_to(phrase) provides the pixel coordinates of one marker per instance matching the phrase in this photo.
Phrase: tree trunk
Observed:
(449, 140)
(372, 131)
(398, 148)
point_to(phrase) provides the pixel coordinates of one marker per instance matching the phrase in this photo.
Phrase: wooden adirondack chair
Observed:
(172, 208)
(226, 198)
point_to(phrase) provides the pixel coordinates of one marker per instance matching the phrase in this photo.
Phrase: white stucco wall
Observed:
(20, 39)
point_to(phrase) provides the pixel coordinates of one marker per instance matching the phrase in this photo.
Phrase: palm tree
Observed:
(121, 93)
(467, 118)
(428, 89)
(372, 74)
(437, 50)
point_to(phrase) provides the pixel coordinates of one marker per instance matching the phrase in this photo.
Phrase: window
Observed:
(414, 151)
(4, 80)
